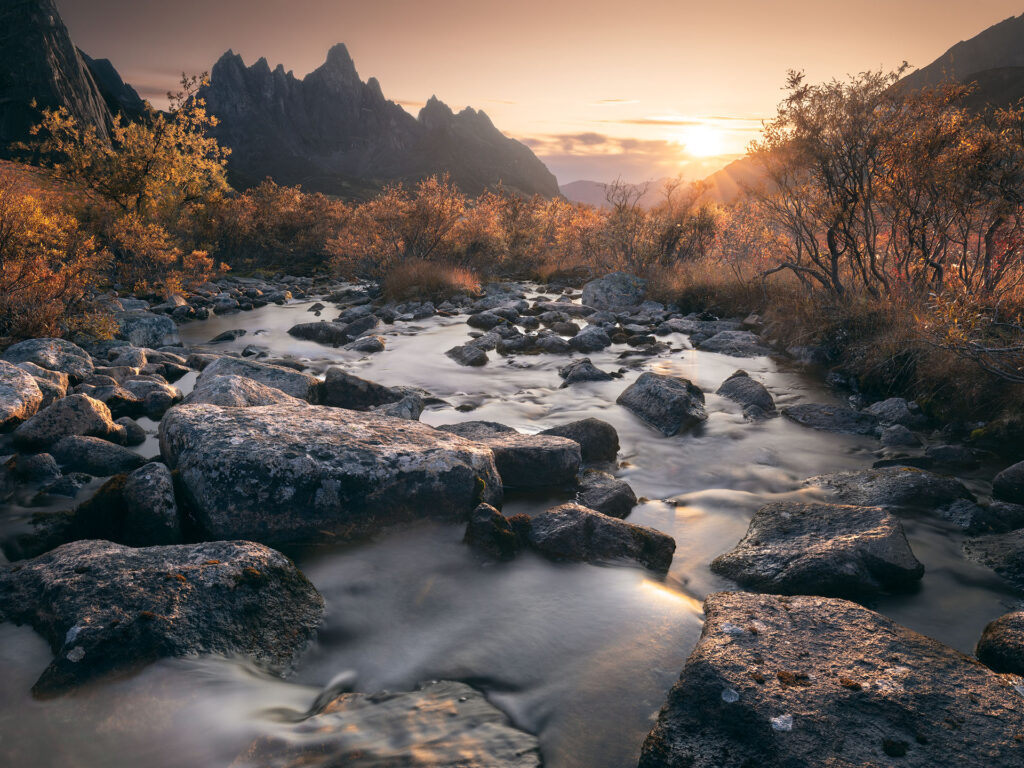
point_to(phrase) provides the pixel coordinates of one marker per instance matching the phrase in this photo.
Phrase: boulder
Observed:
(1001, 646)
(524, 461)
(54, 355)
(779, 682)
(605, 493)
(368, 344)
(134, 433)
(593, 338)
(77, 453)
(792, 548)
(145, 329)
(996, 517)
(833, 418)
(119, 400)
(897, 410)
(735, 344)
(409, 407)
(468, 354)
(344, 390)
(670, 404)
(752, 395)
(582, 370)
(441, 725)
(20, 396)
(896, 435)
(53, 384)
(599, 442)
(1003, 553)
(894, 488)
(104, 607)
(492, 533)
(322, 332)
(282, 474)
(618, 290)
(72, 415)
(231, 335)
(952, 456)
(232, 391)
(151, 511)
(291, 382)
(1008, 485)
(574, 533)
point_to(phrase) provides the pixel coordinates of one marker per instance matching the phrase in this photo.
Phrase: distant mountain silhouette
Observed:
(39, 63)
(593, 192)
(333, 133)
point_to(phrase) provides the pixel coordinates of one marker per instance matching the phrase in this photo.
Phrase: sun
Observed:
(701, 140)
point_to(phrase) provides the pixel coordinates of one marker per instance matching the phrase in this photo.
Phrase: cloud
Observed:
(602, 102)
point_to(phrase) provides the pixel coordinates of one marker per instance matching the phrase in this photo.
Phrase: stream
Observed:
(580, 655)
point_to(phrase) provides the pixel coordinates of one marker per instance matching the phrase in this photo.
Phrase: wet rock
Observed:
(343, 390)
(735, 344)
(72, 415)
(552, 344)
(574, 533)
(1001, 647)
(54, 355)
(151, 512)
(1002, 552)
(896, 410)
(605, 493)
(897, 435)
(777, 682)
(20, 396)
(66, 485)
(145, 329)
(291, 382)
(323, 333)
(1008, 485)
(492, 533)
(618, 290)
(485, 320)
(590, 339)
(119, 400)
(599, 442)
(232, 391)
(468, 354)
(524, 461)
(952, 456)
(134, 433)
(235, 333)
(409, 407)
(894, 488)
(582, 370)
(821, 549)
(442, 725)
(368, 344)
(670, 404)
(104, 607)
(832, 418)
(284, 474)
(98, 457)
(752, 395)
(38, 468)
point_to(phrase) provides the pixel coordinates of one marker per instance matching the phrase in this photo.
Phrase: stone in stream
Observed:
(344, 390)
(105, 608)
(897, 410)
(833, 418)
(574, 533)
(409, 407)
(20, 396)
(145, 329)
(593, 338)
(232, 391)
(1008, 485)
(582, 370)
(281, 474)
(897, 435)
(291, 382)
(524, 461)
(1003, 553)
(119, 400)
(618, 290)
(605, 493)
(894, 488)
(72, 415)
(495, 535)
(778, 682)
(368, 344)
(100, 458)
(53, 384)
(821, 549)
(735, 344)
(442, 725)
(150, 509)
(54, 355)
(599, 442)
(468, 354)
(235, 333)
(757, 401)
(322, 332)
(1001, 647)
(134, 433)
(670, 404)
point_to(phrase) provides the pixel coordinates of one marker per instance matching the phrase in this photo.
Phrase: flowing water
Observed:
(580, 655)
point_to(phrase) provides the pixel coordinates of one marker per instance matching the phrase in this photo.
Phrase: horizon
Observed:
(619, 115)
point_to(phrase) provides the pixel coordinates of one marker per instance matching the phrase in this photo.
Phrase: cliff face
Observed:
(332, 132)
(39, 62)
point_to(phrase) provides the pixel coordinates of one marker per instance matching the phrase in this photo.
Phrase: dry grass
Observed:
(418, 280)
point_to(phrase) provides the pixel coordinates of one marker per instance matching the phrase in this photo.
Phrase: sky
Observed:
(632, 89)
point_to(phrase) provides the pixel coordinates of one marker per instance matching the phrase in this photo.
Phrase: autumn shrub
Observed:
(420, 280)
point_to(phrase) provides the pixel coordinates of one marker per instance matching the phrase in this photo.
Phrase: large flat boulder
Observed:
(291, 382)
(72, 415)
(20, 396)
(821, 549)
(231, 391)
(283, 474)
(894, 488)
(53, 355)
(104, 607)
(833, 418)
(779, 682)
(670, 404)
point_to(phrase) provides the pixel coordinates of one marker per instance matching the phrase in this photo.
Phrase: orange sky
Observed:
(599, 89)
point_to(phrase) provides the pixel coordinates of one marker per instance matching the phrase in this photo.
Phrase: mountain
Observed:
(993, 60)
(38, 62)
(331, 132)
(593, 192)
(117, 94)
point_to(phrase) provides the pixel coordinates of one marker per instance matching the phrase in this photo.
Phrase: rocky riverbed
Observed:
(283, 523)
